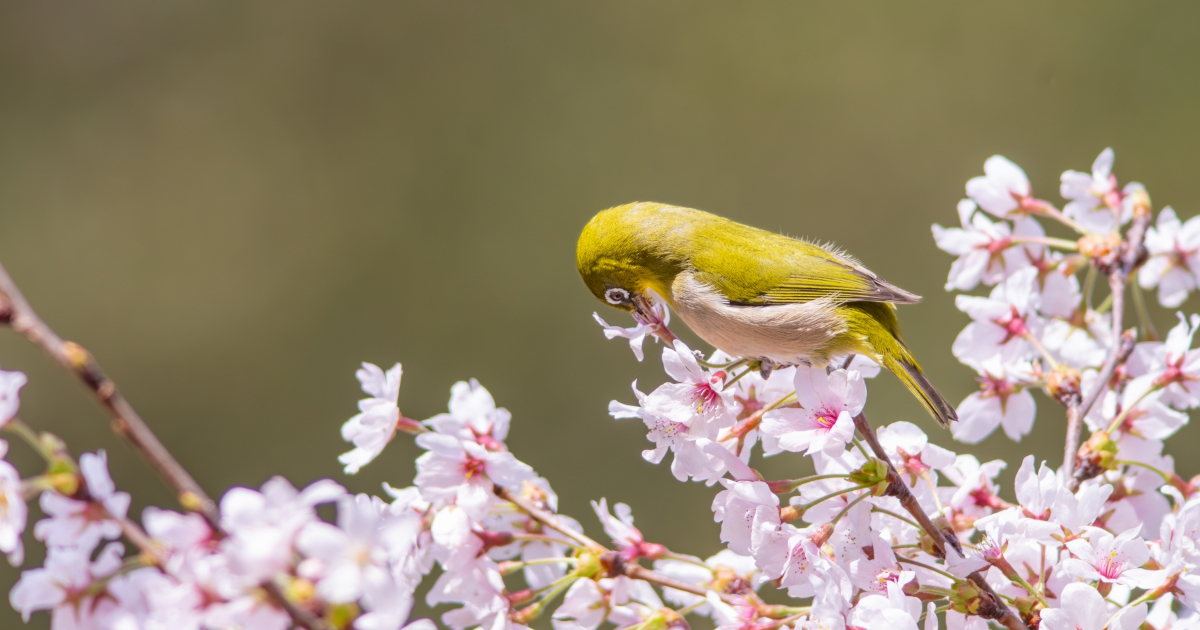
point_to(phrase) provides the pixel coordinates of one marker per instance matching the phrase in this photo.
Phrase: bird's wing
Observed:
(759, 268)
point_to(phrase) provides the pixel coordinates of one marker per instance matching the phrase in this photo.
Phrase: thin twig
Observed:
(995, 606)
(16, 311)
(1129, 257)
(1079, 409)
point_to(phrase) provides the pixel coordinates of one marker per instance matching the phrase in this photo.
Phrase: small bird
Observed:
(751, 293)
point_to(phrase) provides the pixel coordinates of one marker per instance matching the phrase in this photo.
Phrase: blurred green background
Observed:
(233, 204)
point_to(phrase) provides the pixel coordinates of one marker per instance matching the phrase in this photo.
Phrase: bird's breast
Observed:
(784, 333)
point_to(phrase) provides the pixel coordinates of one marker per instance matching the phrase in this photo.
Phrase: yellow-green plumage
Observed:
(750, 292)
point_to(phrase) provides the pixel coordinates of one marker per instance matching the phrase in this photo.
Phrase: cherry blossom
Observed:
(263, 525)
(742, 509)
(1003, 400)
(375, 424)
(473, 416)
(351, 553)
(1001, 321)
(825, 420)
(1083, 608)
(84, 523)
(464, 472)
(986, 250)
(1174, 264)
(63, 585)
(13, 511)
(1112, 559)
(1001, 188)
(620, 528)
(1093, 196)
(637, 334)
(10, 389)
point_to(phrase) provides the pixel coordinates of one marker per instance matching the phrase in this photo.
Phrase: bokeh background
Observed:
(233, 204)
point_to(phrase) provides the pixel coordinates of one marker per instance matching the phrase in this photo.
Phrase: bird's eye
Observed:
(616, 296)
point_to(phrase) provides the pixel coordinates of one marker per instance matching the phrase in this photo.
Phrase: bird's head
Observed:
(626, 251)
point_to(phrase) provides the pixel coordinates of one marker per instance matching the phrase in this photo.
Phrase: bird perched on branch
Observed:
(751, 293)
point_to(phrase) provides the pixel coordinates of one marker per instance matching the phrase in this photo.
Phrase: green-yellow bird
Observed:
(751, 293)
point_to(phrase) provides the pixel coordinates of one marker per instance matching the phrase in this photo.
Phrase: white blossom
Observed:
(1174, 263)
(1094, 200)
(1001, 187)
(10, 390)
(84, 523)
(825, 420)
(375, 423)
(13, 511)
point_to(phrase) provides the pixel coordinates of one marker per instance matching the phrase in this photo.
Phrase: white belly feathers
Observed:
(783, 333)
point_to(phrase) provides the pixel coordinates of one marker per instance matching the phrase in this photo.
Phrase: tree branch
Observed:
(994, 607)
(16, 311)
(1120, 269)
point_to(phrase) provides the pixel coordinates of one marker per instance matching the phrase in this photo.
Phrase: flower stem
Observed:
(1060, 243)
(30, 437)
(928, 567)
(847, 508)
(678, 557)
(1139, 302)
(861, 448)
(792, 484)
(832, 495)
(1112, 426)
(737, 378)
(895, 516)
(548, 539)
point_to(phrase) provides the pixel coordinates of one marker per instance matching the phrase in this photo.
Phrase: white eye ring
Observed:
(616, 295)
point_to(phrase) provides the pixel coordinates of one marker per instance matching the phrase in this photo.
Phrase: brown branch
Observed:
(994, 607)
(303, 618)
(549, 519)
(16, 311)
(1077, 411)
(1131, 254)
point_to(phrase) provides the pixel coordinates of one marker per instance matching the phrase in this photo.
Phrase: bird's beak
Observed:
(643, 307)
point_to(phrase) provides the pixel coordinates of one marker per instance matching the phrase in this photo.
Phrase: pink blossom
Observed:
(1003, 400)
(986, 250)
(637, 334)
(375, 424)
(262, 526)
(1174, 263)
(13, 511)
(1000, 321)
(1116, 560)
(84, 523)
(620, 528)
(10, 399)
(464, 472)
(1081, 607)
(63, 584)
(741, 508)
(825, 420)
(1001, 188)
(473, 416)
(352, 552)
(1095, 202)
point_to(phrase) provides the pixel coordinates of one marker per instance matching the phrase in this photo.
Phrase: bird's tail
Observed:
(906, 369)
(876, 324)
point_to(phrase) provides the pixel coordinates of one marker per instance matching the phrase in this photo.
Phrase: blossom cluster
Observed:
(189, 573)
(888, 530)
